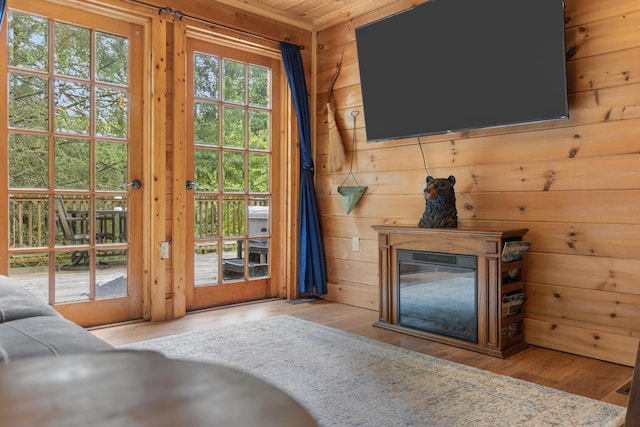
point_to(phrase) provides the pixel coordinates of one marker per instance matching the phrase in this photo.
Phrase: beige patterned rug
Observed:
(347, 380)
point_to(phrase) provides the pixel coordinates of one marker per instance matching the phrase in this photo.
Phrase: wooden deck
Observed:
(73, 285)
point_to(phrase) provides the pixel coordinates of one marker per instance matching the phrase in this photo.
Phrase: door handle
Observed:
(192, 186)
(136, 184)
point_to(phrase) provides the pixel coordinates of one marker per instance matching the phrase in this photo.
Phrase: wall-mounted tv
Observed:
(454, 65)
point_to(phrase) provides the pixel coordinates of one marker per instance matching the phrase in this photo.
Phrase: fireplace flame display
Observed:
(438, 293)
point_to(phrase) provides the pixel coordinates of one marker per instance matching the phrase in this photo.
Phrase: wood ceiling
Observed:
(309, 14)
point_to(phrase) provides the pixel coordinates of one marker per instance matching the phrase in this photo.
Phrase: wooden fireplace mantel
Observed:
(497, 335)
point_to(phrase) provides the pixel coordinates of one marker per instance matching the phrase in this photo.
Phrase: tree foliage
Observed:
(77, 104)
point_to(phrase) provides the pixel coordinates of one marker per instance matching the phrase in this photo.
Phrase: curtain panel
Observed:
(312, 273)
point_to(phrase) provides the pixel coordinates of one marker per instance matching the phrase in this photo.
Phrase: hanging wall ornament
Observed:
(336, 149)
(350, 195)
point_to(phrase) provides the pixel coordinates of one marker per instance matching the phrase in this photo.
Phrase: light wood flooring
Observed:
(575, 374)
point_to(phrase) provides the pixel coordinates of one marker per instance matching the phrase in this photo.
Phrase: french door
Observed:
(74, 93)
(233, 166)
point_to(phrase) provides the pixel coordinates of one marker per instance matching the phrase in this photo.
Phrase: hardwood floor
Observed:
(575, 374)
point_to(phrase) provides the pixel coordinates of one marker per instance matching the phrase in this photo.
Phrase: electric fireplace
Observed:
(452, 285)
(438, 293)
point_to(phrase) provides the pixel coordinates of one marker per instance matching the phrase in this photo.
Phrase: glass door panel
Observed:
(70, 151)
(230, 103)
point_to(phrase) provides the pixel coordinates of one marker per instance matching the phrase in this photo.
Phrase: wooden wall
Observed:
(575, 184)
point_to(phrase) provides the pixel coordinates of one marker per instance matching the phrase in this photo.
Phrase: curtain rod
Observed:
(178, 14)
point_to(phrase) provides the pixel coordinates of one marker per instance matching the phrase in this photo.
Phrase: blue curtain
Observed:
(2, 4)
(312, 271)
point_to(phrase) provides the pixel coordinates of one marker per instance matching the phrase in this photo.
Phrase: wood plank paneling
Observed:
(570, 206)
(345, 270)
(592, 239)
(553, 175)
(563, 336)
(593, 306)
(355, 294)
(178, 166)
(575, 184)
(606, 70)
(618, 32)
(617, 275)
(579, 12)
(157, 167)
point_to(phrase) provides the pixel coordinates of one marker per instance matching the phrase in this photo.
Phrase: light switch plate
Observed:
(164, 250)
(355, 244)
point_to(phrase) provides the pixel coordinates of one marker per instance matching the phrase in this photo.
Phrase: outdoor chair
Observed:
(74, 233)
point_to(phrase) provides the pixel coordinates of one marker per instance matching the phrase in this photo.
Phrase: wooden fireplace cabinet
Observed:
(498, 335)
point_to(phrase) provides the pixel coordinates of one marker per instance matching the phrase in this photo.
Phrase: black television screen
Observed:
(454, 65)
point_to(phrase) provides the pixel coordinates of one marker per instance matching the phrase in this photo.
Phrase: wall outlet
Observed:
(164, 250)
(355, 244)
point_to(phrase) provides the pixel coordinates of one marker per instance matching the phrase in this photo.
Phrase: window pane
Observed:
(233, 81)
(72, 51)
(28, 41)
(112, 59)
(27, 214)
(72, 225)
(31, 273)
(206, 263)
(72, 107)
(205, 76)
(112, 203)
(233, 216)
(110, 225)
(258, 173)
(233, 171)
(233, 260)
(66, 289)
(258, 130)
(28, 102)
(111, 278)
(233, 125)
(259, 83)
(28, 161)
(258, 257)
(238, 128)
(206, 169)
(111, 219)
(205, 123)
(111, 166)
(72, 164)
(111, 112)
(205, 216)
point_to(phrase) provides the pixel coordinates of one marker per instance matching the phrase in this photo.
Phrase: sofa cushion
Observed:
(46, 335)
(17, 303)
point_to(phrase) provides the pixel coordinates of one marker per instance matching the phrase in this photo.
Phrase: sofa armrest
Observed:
(18, 303)
(46, 336)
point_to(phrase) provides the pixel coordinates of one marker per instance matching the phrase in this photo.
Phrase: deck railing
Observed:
(29, 217)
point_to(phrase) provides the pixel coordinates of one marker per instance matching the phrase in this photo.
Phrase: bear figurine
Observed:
(440, 204)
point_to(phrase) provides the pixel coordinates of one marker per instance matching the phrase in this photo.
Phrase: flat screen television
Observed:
(454, 65)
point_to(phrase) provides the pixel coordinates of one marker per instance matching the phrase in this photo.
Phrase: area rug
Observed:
(347, 380)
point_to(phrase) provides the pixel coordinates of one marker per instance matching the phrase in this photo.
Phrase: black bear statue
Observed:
(440, 204)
